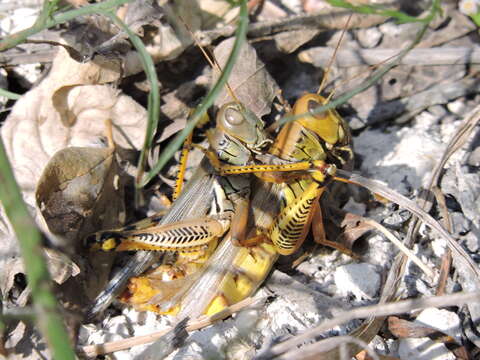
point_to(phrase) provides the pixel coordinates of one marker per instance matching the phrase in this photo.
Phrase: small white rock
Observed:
(443, 320)
(118, 326)
(246, 321)
(472, 241)
(457, 107)
(423, 349)
(438, 247)
(84, 332)
(20, 19)
(422, 288)
(369, 38)
(360, 279)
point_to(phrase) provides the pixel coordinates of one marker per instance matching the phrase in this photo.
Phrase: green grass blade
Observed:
(48, 318)
(401, 17)
(153, 96)
(9, 94)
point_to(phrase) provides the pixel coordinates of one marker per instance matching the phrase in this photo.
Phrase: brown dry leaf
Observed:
(58, 114)
(354, 227)
(250, 81)
(289, 41)
(170, 37)
(78, 193)
(408, 329)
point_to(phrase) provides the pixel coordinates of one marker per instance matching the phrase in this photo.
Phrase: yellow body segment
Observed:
(250, 267)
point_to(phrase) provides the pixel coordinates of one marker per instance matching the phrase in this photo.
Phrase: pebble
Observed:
(118, 326)
(474, 157)
(360, 279)
(457, 107)
(369, 38)
(437, 110)
(461, 225)
(472, 241)
(356, 123)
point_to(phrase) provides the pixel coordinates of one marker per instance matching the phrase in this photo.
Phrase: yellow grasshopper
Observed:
(319, 144)
(198, 234)
(186, 229)
(234, 272)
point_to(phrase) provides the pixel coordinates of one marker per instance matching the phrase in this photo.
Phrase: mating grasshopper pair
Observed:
(313, 143)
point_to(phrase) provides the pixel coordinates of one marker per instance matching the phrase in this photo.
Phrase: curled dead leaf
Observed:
(79, 192)
(60, 113)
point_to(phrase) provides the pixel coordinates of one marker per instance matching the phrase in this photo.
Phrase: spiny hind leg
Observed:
(183, 236)
(292, 224)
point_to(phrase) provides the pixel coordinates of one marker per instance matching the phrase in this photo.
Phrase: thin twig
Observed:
(100, 349)
(392, 308)
(410, 205)
(429, 272)
(320, 56)
(447, 256)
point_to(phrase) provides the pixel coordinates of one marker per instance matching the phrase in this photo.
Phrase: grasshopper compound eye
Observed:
(243, 125)
(233, 116)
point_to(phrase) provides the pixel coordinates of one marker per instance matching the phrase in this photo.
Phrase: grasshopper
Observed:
(185, 231)
(286, 234)
(234, 272)
(186, 228)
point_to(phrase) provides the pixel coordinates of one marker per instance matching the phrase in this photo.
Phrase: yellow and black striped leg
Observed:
(293, 170)
(293, 223)
(184, 236)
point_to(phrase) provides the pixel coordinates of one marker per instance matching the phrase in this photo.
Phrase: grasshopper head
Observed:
(330, 128)
(328, 125)
(242, 125)
(103, 240)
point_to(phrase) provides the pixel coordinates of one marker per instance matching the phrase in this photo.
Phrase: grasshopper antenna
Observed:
(332, 59)
(210, 59)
